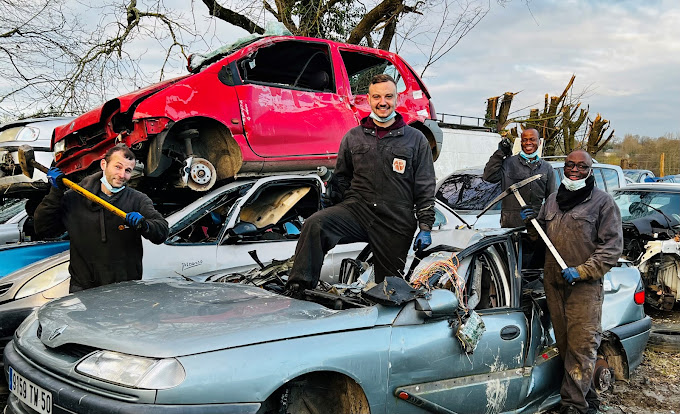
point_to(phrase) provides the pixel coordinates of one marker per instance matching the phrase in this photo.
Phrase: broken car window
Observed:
(204, 223)
(468, 192)
(362, 67)
(307, 66)
(276, 212)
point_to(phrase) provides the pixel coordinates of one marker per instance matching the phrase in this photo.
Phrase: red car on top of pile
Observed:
(263, 104)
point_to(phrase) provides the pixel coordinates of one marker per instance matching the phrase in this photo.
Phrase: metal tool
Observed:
(514, 189)
(28, 163)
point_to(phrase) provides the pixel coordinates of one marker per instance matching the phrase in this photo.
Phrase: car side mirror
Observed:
(442, 303)
(243, 229)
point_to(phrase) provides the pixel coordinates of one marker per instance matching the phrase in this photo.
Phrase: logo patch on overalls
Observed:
(399, 165)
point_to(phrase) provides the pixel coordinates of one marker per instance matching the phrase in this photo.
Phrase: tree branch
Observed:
(232, 17)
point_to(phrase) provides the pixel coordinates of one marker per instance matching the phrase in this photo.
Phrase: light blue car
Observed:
(180, 346)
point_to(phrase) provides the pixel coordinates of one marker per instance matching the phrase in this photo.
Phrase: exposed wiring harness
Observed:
(443, 273)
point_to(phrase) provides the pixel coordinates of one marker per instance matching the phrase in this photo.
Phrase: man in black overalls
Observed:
(385, 176)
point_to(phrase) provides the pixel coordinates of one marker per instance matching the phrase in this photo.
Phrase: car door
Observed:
(192, 244)
(361, 66)
(428, 361)
(289, 101)
(268, 220)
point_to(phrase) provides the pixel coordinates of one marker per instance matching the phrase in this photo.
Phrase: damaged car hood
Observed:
(122, 102)
(170, 318)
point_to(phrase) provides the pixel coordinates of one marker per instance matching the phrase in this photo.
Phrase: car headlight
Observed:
(44, 280)
(28, 134)
(26, 324)
(132, 371)
(60, 146)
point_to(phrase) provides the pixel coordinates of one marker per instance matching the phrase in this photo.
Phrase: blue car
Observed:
(18, 245)
(468, 334)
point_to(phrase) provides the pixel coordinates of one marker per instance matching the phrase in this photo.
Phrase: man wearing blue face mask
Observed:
(386, 181)
(584, 224)
(104, 248)
(510, 169)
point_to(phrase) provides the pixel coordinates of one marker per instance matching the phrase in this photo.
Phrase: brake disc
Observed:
(202, 175)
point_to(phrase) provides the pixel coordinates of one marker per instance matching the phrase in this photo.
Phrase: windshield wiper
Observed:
(668, 220)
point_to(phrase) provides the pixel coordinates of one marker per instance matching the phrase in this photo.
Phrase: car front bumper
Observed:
(67, 398)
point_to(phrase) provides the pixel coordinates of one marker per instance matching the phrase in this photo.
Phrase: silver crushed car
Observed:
(36, 132)
(469, 334)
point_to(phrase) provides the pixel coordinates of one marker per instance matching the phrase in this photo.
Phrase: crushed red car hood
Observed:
(123, 102)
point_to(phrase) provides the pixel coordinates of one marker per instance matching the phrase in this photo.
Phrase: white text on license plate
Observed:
(32, 395)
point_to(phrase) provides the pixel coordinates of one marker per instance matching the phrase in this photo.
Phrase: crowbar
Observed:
(514, 189)
(27, 163)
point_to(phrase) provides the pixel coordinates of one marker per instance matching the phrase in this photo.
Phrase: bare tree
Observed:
(562, 122)
(52, 63)
(56, 62)
(438, 27)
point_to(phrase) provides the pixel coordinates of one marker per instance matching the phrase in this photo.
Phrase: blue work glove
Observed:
(55, 177)
(135, 220)
(423, 240)
(527, 213)
(570, 274)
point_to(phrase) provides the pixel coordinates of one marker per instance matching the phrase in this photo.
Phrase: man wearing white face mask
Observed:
(584, 224)
(386, 183)
(103, 250)
(510, 169)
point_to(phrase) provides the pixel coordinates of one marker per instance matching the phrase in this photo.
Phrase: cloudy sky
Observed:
(625, 53)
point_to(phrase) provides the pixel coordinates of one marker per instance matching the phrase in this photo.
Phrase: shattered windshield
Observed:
(467, 191)
(199, 61)
(10, 208)
(638, 204)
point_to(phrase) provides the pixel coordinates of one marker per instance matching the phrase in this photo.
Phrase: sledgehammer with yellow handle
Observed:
(27, 163)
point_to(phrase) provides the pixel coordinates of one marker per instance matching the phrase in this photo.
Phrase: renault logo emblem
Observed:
(55, 333)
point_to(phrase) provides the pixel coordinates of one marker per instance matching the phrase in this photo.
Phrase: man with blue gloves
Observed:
(385, 181)
(510, 169)
(584, 224)
(104, 248)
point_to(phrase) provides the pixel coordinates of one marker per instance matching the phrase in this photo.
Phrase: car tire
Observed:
(664, 338)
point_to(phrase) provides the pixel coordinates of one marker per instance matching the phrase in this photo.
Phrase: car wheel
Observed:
(664, 338)
(602, 377)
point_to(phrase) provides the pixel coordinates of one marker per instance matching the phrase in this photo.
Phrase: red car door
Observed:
(289, 101)
(362, 65)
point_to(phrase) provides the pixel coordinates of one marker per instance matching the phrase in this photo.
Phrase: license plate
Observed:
(30, 394)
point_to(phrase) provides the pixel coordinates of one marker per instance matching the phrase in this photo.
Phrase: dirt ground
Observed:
(654, 388)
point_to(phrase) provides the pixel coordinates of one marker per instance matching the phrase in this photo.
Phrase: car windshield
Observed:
(10, 208)
(199, 61)
(635, 204)
(467, 191)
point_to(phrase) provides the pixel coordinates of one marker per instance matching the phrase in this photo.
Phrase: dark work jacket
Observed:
(369, 171)
(101, 253)
(511, 170)
(589, 237)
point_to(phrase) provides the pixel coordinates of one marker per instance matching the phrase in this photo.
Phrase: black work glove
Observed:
(505, 146)
(332, 195)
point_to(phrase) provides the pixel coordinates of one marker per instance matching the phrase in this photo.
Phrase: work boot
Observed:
(568, 409)
(294, 290)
